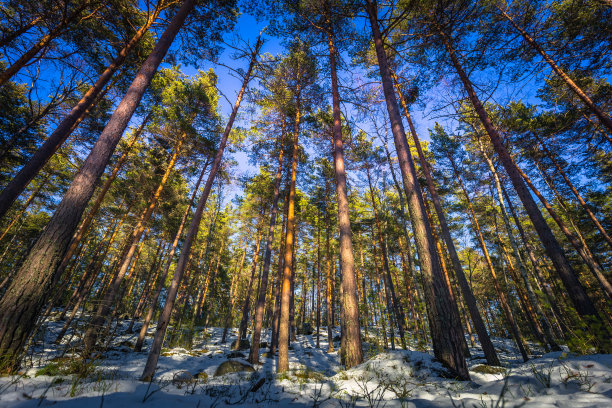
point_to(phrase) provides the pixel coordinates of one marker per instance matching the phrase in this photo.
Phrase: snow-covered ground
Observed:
(402, 378)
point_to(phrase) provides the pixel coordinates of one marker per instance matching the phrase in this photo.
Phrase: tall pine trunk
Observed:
(285, 294)
(263, 285)
(445, 333)
(26, 296)
(350, 305)
(468, 296)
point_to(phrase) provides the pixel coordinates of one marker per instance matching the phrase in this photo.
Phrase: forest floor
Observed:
(401, 378)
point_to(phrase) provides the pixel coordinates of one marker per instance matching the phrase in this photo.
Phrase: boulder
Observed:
(182, 378)
(235, 354)
(244, 344)
(306, 329)
(233, 366)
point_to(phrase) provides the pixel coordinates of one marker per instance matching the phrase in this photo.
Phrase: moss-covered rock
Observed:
(488, 369)
(233, 366)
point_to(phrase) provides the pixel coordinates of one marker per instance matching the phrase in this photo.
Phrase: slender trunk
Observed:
(93, 269)
(540, 280)
(263, 285)
(329, 294)
(584, 306)
(68, 123)
(237, 277)
(399, 316)
(445, 334)
(500, 293)
(164, 318)
(319, 286)
(164, 274)
(24, 299)
(279, 280)
(246, 306)
(283, 332)
(541, 318)
(581, 200)
(602, 116)
(580, 247)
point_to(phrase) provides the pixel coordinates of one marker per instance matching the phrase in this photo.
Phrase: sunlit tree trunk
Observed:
(350, 304)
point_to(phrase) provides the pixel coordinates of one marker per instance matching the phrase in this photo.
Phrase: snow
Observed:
(400, 378)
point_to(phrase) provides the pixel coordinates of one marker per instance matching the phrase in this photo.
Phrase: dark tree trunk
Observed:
(446, 335)
(584, 306)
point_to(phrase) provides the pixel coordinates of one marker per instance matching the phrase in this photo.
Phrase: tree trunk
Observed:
(580, 247)
(246, 306)
(23, 300)
(164, 274)
(583, 203)
(283, 332)
(399, 316)
(350, 304)
(86, 223)
(541, 318)
(446, 336)
(192, 233)
(104, 308)
(584, 306)
(468, 296)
